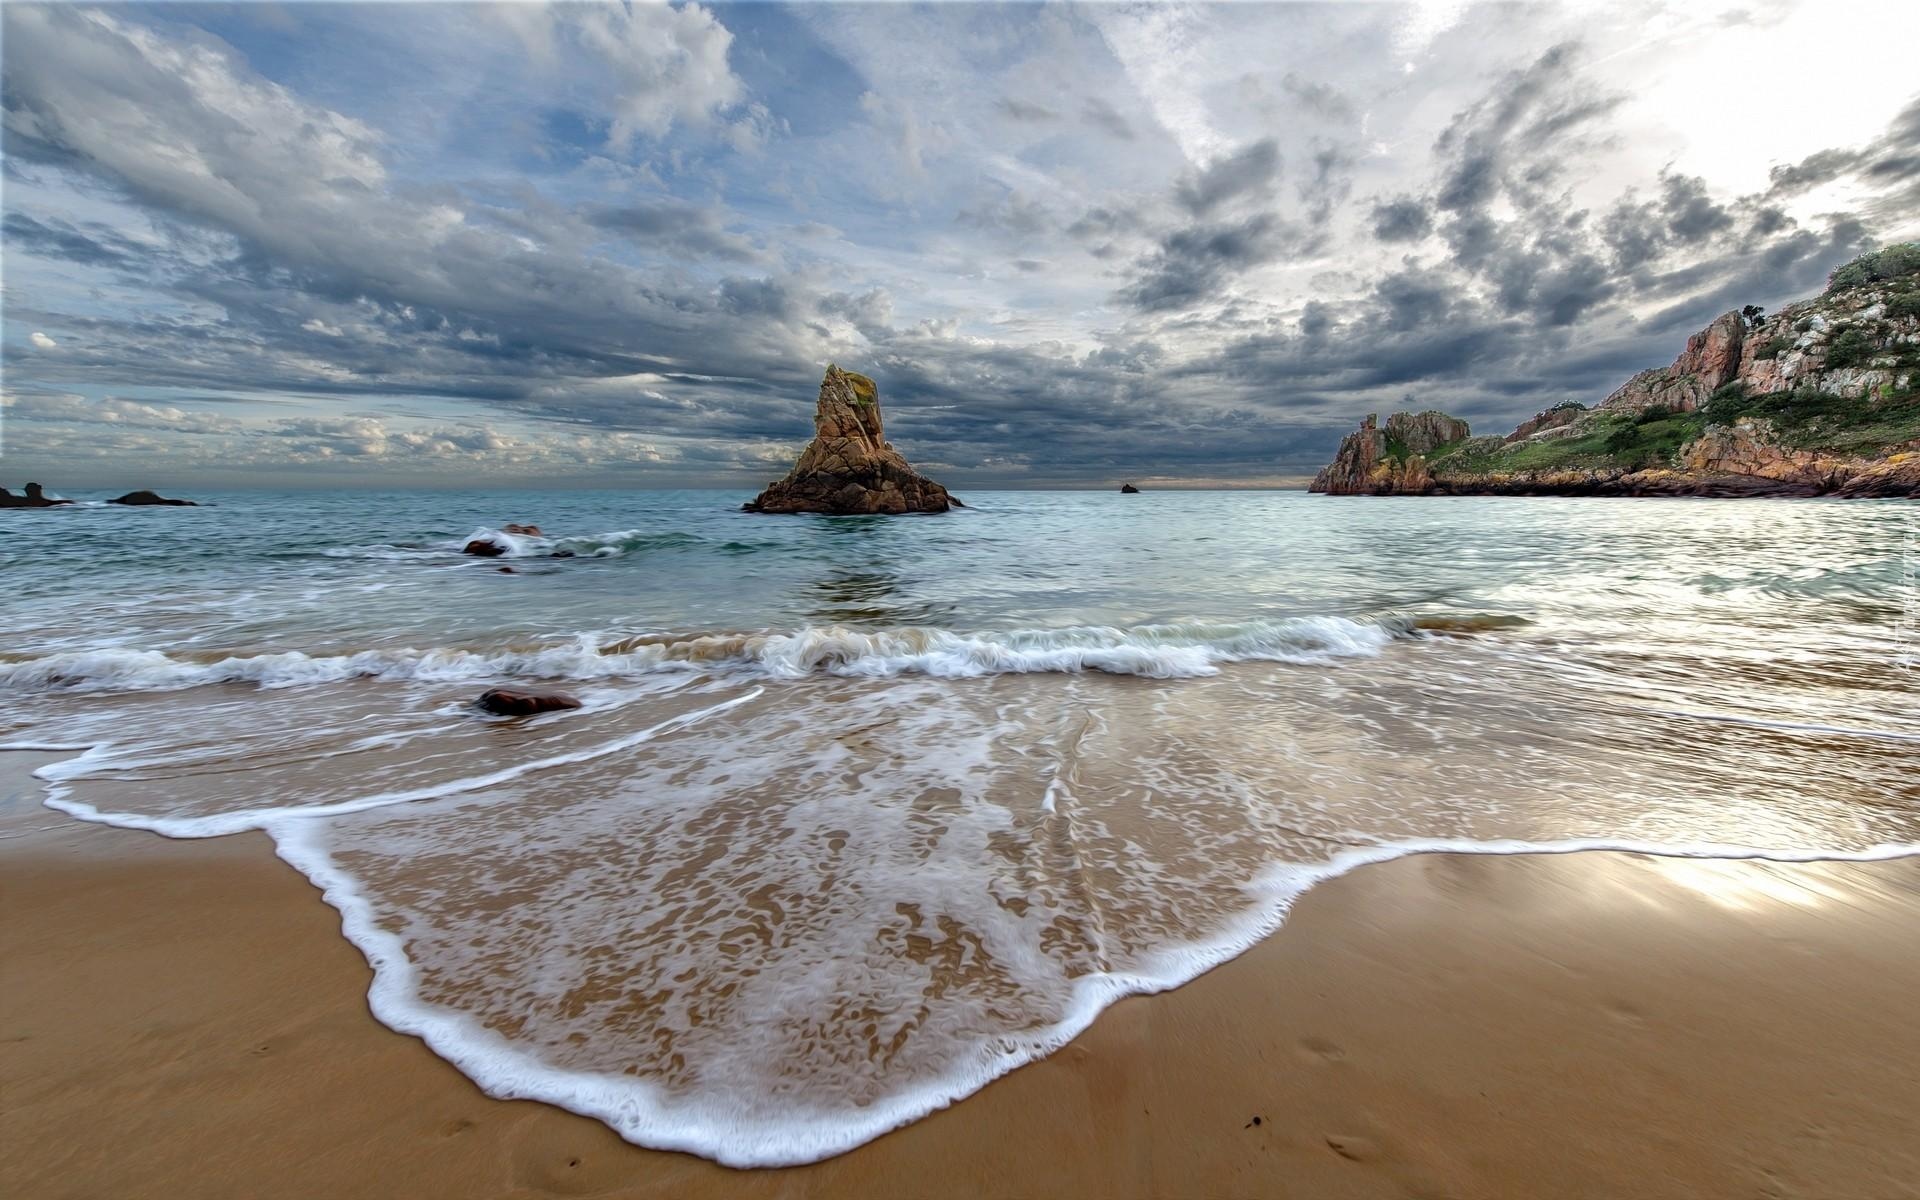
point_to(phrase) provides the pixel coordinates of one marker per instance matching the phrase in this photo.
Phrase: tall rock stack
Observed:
(849, 467)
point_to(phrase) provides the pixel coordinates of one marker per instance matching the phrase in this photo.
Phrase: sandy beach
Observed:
(183, 1019)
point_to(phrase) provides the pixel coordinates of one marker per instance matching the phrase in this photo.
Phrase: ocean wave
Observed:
(1169, 651)
(614, 544)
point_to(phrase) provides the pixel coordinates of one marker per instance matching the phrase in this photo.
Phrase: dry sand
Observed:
(183, 1020)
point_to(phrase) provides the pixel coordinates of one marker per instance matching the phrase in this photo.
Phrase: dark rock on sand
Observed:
(1127, 489)
(35, 498)
(518, 702)
(151, 498)
(849, 467)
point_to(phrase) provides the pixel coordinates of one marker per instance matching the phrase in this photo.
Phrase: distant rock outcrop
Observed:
(1127, 489)
(1821, 398)
(35, 498)
(1376, 461)
(849, 467)
(151, 498)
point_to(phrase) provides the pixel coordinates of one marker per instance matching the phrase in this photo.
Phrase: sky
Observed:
(604, 245)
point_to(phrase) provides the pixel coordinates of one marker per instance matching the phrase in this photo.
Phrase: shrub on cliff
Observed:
(1851, 349)
(1890, 263)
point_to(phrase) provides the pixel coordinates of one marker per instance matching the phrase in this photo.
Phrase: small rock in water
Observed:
(514, 702)
(144, 497)
(1127, 489)
(507, 571)
(523, 530)
(561, 554)
(483, 548)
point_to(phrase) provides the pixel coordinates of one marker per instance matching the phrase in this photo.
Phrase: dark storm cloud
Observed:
(1195, 263)
(1404, 219)
(1515, 139)
(1248, 171)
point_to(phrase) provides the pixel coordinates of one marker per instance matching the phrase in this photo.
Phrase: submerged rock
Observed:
(151, 498)
(521, 702)
(523, 530)
(849, 467)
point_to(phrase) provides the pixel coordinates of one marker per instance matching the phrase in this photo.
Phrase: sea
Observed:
(860, 813)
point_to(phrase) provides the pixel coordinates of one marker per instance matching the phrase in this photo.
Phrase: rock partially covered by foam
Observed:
(144, 497)
(522, 702)
(484, 548)
(849, 467)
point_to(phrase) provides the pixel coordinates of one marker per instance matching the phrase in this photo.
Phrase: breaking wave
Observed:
(1169, 651)
(615, 544)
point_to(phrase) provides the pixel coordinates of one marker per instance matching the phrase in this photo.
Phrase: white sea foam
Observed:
(768, 927)
(216, 825)
(1155, 651)
(642, 1114)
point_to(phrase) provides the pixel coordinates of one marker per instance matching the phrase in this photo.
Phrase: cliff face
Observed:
(1821, 398)
(849, 466)
(1391, 460)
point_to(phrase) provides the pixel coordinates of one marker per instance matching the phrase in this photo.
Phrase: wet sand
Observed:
(183, 1019)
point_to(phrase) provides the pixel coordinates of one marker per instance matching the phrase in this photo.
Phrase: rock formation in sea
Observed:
(1127, 489)
(1821, 398)
(849, 467)
(144, 497)
(35, 498)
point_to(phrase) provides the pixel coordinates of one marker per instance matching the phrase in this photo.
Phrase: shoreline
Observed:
(1436, 1024)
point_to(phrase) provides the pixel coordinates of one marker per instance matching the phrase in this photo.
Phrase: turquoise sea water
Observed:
(863, 812)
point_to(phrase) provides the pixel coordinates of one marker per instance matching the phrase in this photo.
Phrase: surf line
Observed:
(221, 824)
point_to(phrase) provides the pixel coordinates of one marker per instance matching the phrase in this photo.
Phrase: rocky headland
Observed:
(849, 467)
(1820, 398)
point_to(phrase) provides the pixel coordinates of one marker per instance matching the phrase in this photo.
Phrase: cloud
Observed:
(1021, 110)
(1195, 263)
(610, 243)
(1403, 219)
(1248, 171)
(677, 228)
(43, 341)
(654, 63)
(1105, 117)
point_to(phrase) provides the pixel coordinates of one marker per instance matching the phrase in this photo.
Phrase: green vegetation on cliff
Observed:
(1893, 262)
